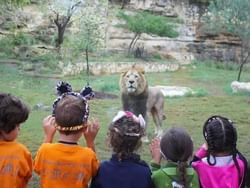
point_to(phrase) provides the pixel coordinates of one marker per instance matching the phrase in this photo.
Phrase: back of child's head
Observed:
(12, 112)
(220, 135)
(177, 146)
(125, 133)
(70, 110)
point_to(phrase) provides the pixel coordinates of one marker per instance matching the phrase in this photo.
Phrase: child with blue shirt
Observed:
(125, 169)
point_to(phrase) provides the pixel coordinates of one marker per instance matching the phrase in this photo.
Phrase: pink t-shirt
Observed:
(222, 175)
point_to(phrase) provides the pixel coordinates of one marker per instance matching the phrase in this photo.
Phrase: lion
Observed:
(139, 98)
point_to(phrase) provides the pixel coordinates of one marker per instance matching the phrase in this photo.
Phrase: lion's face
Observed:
(133, 81)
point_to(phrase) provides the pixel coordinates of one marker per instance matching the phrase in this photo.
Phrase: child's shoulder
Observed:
(66, 148)
(16, 147)
(133, 160)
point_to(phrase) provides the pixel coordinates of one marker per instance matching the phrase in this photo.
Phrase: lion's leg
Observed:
(157, 118)
(145, 137)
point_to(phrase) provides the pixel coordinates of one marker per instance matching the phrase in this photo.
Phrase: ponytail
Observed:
(182, 171)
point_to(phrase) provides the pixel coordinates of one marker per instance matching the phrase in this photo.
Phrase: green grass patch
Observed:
(212, 86)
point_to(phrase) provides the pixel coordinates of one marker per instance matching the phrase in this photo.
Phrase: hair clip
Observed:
(218, 118)
(65, 89)
(87, 92)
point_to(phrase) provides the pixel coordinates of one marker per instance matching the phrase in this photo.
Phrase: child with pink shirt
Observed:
(218, 163)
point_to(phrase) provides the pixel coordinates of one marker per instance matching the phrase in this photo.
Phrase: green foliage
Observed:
(14, 2)
(233, 17)
(6, 47)
(145, 22)
(199, 92)
(188, 112)
(46, 62)
(230, 16)
(23, 39)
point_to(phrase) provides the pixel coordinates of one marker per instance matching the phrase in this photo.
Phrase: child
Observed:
(66, 164)
(218, 162)
(176, 147)
(124, 169)
(15, 159)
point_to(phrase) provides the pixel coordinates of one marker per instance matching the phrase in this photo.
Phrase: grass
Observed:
(212, 85)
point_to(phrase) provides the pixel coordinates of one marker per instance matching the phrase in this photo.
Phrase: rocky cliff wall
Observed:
(191, 42)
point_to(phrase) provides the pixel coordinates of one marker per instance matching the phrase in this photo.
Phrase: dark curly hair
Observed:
(177, 146)
(125, 136)
(12, 112)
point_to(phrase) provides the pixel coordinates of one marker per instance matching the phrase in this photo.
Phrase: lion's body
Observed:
(139, 98)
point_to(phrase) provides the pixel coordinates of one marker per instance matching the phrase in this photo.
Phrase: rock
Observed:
(240, 87)
(41, 106)
(174, 91)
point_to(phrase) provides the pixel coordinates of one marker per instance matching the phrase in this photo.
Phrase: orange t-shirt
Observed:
(15, 165)
(64, 166)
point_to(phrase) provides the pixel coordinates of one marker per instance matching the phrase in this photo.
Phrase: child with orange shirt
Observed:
(66, 164)
(15, 159)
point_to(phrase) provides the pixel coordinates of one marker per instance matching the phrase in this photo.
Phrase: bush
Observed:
(22, 39)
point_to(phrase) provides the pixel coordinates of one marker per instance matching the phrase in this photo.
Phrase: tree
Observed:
(90, 34)
(144, 22)
(63, 11)
(233, 17)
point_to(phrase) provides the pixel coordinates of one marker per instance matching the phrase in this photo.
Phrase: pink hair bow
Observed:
(138, 119)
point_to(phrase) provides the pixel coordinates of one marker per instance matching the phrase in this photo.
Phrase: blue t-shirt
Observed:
(127, 173)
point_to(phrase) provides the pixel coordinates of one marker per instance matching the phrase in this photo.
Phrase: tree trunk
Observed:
(87, 61)
(243, 62)
(123, 4)
(131, 43)
(61, 29)
(135, 41)
(60, 36)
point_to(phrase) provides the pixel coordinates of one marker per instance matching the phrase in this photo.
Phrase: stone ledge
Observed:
(97, 68)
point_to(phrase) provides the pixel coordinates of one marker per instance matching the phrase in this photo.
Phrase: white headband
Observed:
(136, 119)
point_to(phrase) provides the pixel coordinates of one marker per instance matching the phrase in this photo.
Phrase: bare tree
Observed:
(63, 11)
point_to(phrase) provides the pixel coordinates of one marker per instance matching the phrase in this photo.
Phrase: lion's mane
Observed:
(134, 91)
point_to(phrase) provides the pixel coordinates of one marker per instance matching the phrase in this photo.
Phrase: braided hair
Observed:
(221, 137)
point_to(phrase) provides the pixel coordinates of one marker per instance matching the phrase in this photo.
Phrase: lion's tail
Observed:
(164, 117)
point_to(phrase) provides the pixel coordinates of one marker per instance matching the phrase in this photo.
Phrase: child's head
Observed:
(71, 114)
(71, 109)
(176, 145)
(220, 135)
(13, 112)
(125, 133)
